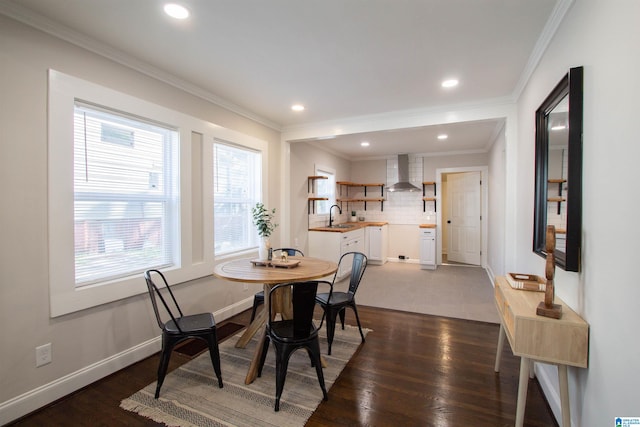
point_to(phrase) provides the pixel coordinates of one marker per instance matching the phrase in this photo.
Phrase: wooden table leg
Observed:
(252, 373)
(501, 336)
(522, 391)
(258, 325)
(532, 369)
(564, 395)
(255, 326)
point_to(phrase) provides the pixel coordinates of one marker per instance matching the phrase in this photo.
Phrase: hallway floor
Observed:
(461, 292)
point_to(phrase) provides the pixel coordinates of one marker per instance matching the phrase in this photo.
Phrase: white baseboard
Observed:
(233, 309)
(32, 400)
(492, 276)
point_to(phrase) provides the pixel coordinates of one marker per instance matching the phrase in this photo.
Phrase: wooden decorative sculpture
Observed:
(547, 308)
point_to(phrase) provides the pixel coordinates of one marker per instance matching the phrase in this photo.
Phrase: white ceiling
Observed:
(340, 58)
(466, 137)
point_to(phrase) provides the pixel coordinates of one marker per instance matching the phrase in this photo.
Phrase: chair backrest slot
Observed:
(304, 301)
(358, 265)
(155, 293)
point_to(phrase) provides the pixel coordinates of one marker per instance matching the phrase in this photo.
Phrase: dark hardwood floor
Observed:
(413, 370)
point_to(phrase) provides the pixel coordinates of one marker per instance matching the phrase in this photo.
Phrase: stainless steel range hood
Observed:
(403, 183)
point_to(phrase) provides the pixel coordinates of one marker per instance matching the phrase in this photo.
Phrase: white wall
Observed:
(602, 37)
(303, 158)
(496, 210)
(95, 340)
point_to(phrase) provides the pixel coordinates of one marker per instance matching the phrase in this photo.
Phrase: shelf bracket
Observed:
(560, 194)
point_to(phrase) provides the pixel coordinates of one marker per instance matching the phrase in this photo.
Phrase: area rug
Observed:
(190, 395)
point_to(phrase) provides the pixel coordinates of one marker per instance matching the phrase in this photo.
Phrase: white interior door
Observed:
(463, 220)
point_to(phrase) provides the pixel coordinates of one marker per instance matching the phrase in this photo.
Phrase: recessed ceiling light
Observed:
(364, 144)
(450, 83)
(443, 136)
(297, 107)
(176, 11)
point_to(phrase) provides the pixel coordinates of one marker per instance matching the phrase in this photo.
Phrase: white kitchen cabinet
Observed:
(331, 245)
(376, 244)
(428, 248)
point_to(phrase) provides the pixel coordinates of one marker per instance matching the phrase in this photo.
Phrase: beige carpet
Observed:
(461, 292)
(190, 395)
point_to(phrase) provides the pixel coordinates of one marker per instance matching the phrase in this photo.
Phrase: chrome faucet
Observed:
(330, 218)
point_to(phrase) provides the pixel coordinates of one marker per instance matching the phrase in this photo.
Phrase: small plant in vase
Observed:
(354, 218)
(263, 220)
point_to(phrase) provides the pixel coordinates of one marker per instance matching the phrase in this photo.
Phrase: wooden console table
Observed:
(562, 342)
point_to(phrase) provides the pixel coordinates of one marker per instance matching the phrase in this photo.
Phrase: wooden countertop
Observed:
(356, 226)
(427, 226)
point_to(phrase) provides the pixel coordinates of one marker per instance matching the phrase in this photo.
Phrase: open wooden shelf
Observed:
(364, 199)
(558, 199)
(355, 184)
(428, 199)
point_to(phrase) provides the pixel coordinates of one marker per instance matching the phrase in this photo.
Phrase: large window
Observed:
(237, 187)
(131, 187)
(125, 195)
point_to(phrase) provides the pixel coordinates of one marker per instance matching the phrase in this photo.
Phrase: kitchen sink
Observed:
(342, 226)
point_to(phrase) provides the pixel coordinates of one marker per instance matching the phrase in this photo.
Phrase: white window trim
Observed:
(318, 170)
(63, 91)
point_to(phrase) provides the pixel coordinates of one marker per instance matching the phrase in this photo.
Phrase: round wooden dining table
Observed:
(295, 269)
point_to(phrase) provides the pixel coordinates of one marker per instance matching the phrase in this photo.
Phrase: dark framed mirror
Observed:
(558, 168)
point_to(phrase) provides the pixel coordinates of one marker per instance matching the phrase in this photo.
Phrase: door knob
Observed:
(449, 221)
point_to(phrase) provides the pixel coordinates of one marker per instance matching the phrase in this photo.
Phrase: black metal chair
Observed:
(180, 327)
(290, 335)
(335, 303)
(258, 298)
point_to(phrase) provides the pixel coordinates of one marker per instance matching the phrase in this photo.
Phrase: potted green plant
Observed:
(263, 220)
(353, 216)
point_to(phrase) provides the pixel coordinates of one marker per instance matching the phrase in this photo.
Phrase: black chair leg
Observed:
(331, 328)
(314, 353)
(342, 313)
(256, 304)
(165, 355)
(355, 310)
(283, 352)
(214, 353)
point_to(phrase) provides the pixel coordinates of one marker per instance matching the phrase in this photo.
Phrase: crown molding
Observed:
(39, 22)
(553, 23)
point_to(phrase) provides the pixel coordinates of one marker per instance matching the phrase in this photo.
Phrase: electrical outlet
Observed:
(43, 355)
